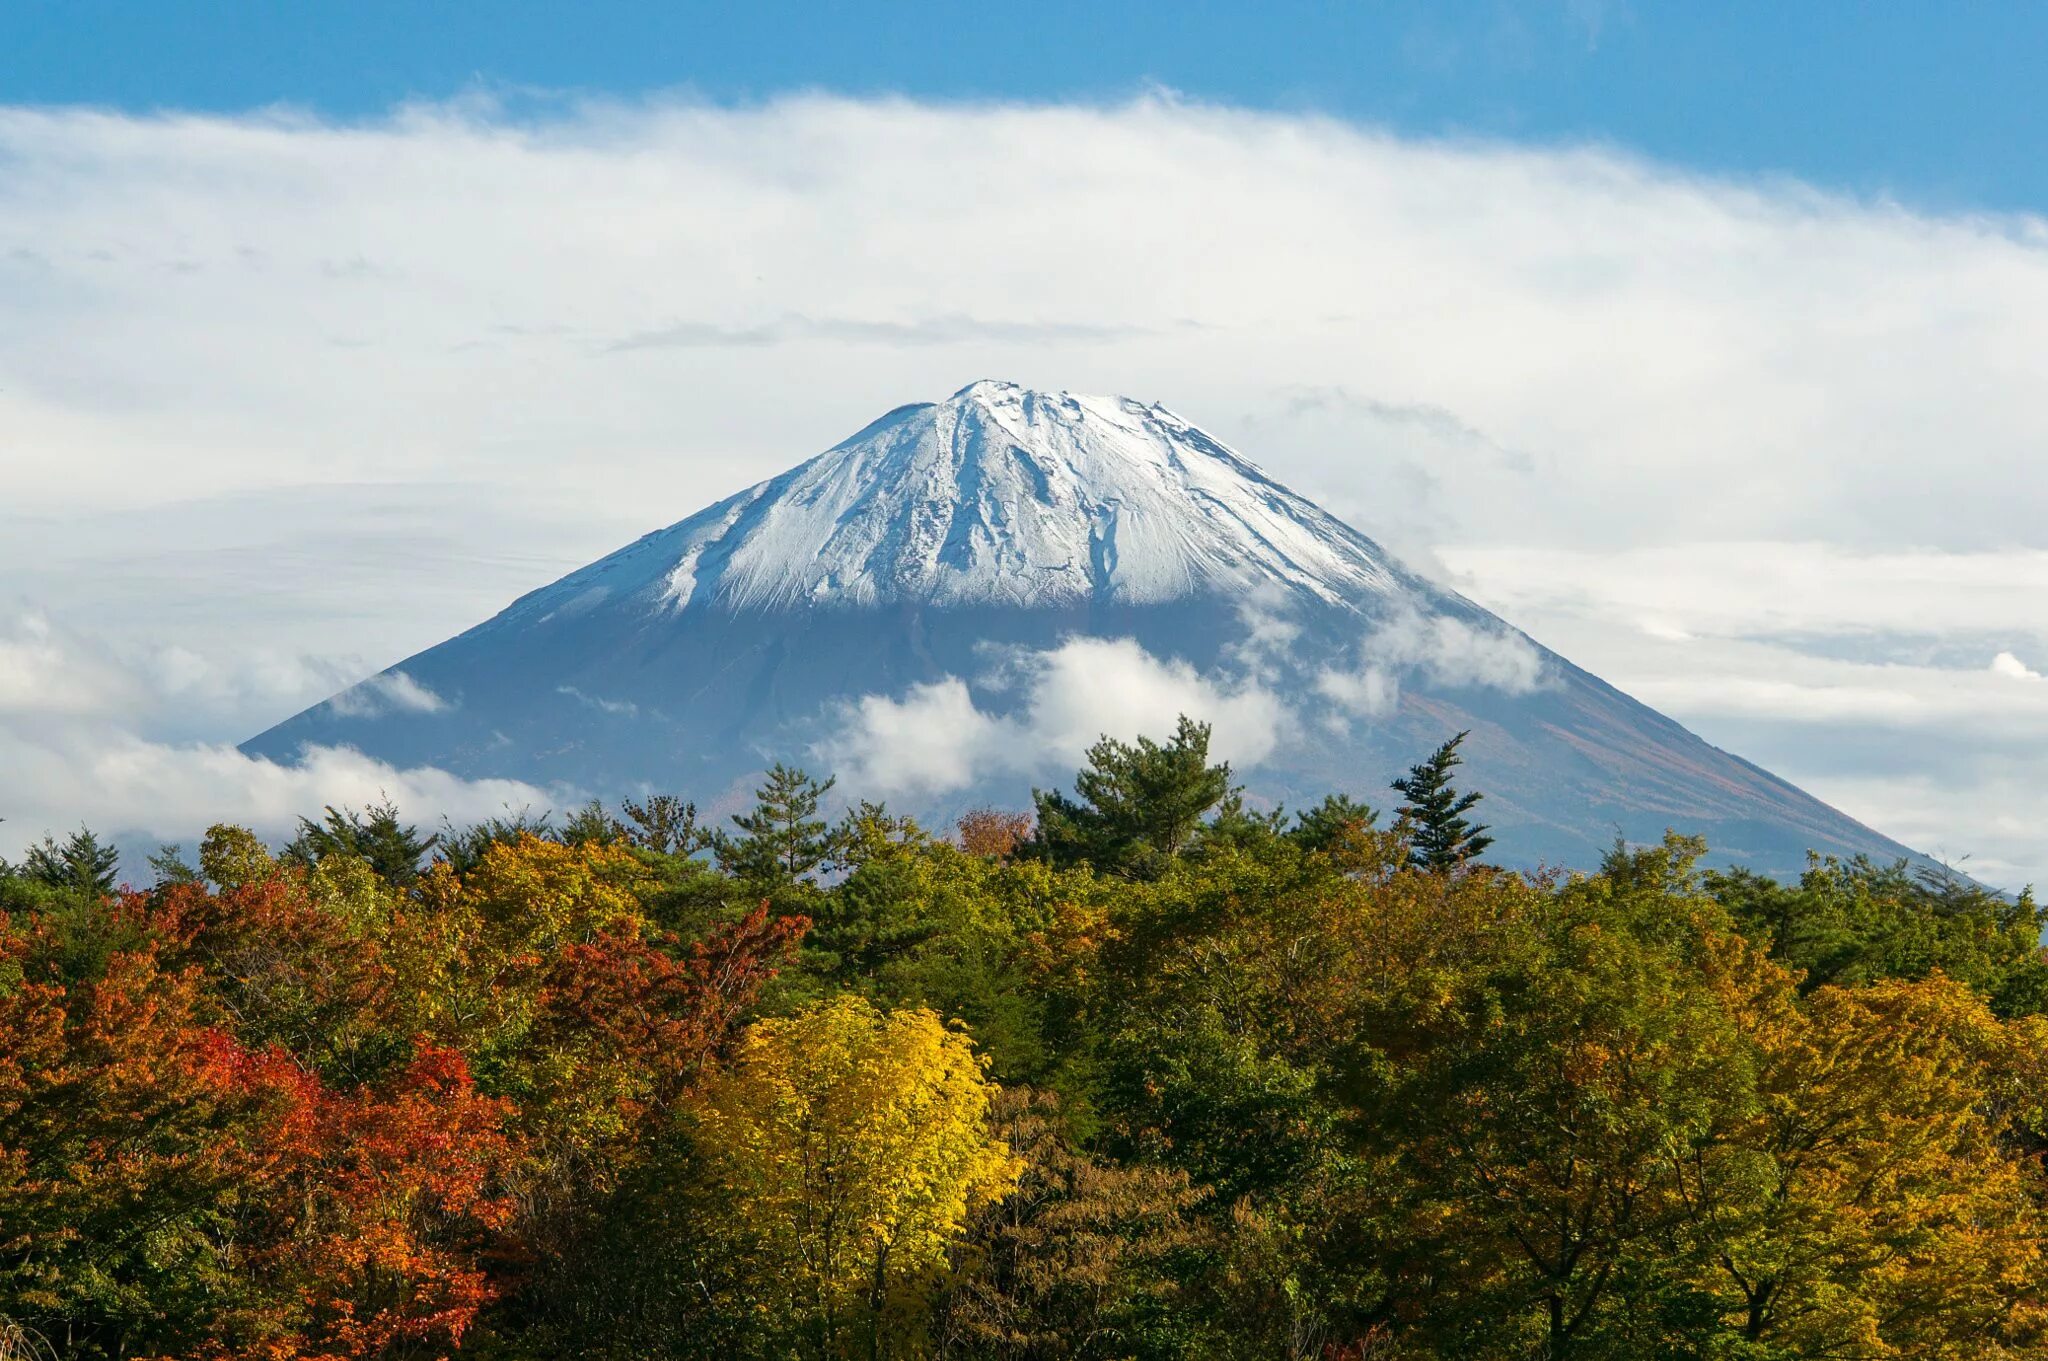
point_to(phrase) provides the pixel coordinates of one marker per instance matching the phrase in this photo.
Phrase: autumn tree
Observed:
(849, 1146)
(991, 832)
(1872, 1200)
(1082, 1260)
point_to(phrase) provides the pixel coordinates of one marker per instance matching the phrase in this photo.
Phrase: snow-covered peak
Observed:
(997, 495)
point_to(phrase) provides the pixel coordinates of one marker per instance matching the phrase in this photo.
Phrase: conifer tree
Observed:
(1443, 838)
(665, 824)
(1329, 822)
(82, 864)
(1136, 806)
(393, 848)
(784, 839)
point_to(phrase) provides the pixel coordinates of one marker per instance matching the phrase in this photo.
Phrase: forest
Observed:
(1144, 1071)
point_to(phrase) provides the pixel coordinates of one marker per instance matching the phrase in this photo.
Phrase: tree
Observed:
(992, 832)
(848, 1147)
(1135, 806)
(1856, 921)
(393, 848)
(1541, 1123)
(1080, 1261)
(1875, 1200)
(665, 825)
(1443, 839)
(784, 839)
(1330, 823)
(82, 864)
(592, 823)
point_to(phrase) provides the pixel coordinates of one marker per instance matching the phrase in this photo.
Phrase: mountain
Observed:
(948, 604)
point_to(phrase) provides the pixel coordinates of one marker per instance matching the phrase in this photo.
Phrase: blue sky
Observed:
(1937, 106)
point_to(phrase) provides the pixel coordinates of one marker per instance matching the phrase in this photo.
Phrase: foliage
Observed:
(377, 835)
(1135, 806)
(1166, 1073)
(81, 864)
(783, 838)
(1443, 838)
(848, 1147)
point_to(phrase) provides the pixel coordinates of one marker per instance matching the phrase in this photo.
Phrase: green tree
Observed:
(1136, 806)
(665, 825)
(393, 848)
(1330, 822)
(82, 864)
(783, 838)
(1435, 810)
(1857, 921)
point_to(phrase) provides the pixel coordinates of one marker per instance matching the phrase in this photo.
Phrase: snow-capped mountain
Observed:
(997, 496)
(952, 601)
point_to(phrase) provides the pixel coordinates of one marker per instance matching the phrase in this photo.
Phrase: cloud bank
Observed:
(284, 400)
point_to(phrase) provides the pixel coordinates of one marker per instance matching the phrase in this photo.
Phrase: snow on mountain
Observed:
(997, 496)
(962, 595)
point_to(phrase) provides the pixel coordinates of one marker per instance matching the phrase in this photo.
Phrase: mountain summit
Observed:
(955, 599)
(998, 496)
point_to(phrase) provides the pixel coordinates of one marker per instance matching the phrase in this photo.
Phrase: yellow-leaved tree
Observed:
(846, 1147)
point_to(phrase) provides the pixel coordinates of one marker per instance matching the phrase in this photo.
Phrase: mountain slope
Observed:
(930, 584)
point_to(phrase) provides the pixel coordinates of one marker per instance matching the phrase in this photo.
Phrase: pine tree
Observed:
(591, 824)
(1435, 810)
(1329, 822)
(1135, 807)
(82, 864)
(393, 848)
(666, 825)
(784, 839)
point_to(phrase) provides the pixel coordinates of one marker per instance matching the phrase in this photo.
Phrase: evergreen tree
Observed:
(82, 864)
(1329, 822)
(170, 866)
(1443, 838)
(666, 825)
(784, 839)
(393, 848)
(465, 850)
(591, 824)
(1135, 807)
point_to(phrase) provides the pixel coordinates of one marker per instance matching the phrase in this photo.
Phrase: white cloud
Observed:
(1745, 588)
(385, 693)
(281, 409)
(1448, 651)
(126, 786)
(2005, 664)
(72, 749)
(935, 740)
(1367, 692)
(932, 741)
(623, 707)
(43, 673)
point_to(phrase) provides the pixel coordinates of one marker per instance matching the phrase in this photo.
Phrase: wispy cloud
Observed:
(946, 330)
(390, 692)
